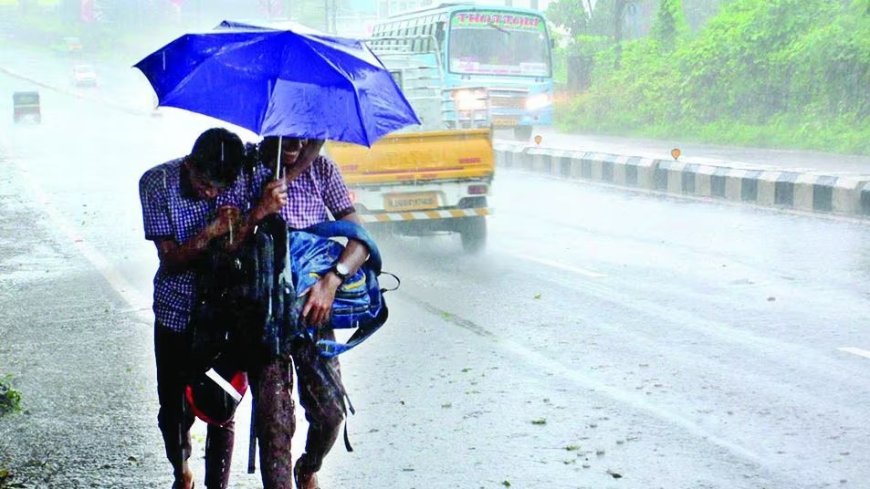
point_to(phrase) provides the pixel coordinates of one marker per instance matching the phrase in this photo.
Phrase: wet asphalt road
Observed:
(604, 339)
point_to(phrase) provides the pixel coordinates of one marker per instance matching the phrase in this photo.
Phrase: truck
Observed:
(420, 183)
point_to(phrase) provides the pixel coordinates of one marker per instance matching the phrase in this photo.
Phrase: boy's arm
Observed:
(175, 258)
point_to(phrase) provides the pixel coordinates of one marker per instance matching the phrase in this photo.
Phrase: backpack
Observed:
(249, 301)
(236, 321)
(359, 301)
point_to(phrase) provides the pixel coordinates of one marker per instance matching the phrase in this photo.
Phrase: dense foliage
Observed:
(10, 399)
(787, 73)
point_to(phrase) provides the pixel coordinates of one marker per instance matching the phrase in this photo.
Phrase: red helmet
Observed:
(214, 395)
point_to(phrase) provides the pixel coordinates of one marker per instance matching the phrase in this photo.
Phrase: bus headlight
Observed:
(538, 101)
(469, 99)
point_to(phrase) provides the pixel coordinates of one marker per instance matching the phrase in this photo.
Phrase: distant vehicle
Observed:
(72, 44)
(489, 64)
(422, 183)
(84, 76)
(25, 106)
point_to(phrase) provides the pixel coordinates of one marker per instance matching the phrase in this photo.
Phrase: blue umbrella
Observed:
(280, 82)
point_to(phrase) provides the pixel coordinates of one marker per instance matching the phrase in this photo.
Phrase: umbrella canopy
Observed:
(280, 82)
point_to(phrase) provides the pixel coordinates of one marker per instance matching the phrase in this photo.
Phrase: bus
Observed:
(488, 65)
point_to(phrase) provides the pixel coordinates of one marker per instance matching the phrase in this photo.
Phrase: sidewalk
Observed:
(734, 156)
(797, 180)
(80, 358)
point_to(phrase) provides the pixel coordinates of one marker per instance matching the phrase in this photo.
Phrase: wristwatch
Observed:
(341, 270)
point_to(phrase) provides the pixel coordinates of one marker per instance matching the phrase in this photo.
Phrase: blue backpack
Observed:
(359, 301)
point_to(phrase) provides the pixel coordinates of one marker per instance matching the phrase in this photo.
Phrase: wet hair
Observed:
(218, 154)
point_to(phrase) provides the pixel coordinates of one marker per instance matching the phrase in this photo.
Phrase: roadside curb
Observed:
(737, 182)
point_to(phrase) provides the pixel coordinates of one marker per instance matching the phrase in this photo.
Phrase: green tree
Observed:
(670, 24)
(572, 15)
(698, 12)
(786, 73)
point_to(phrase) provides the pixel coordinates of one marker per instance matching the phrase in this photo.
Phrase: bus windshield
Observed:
(498, 43)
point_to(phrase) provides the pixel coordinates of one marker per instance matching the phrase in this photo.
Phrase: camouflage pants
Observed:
(320, 393)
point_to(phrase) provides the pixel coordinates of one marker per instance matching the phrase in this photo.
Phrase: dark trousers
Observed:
(276, 419)
(175, 419)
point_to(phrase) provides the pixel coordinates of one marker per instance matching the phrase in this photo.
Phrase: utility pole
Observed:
(618, 17)
(330, 12)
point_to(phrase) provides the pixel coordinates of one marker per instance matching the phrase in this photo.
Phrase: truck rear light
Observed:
(477, 190)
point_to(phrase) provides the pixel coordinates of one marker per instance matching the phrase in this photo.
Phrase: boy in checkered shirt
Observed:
(180, 199)
(309, 189)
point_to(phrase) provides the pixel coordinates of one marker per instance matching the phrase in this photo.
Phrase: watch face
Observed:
(342, 269)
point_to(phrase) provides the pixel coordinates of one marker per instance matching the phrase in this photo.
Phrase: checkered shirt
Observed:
(316, 195)
(167, 214)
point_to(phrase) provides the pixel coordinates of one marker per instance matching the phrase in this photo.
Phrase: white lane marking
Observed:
(855, 351)
(562, 266)
(138, 303)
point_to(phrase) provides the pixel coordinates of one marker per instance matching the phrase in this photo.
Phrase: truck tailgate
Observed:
(421, 156)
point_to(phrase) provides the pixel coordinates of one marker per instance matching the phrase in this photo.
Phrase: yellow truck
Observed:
(419, 183)
(433, 178)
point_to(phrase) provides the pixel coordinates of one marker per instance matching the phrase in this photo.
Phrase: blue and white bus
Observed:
(489, 65)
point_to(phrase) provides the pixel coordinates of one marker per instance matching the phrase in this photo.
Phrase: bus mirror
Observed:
(397, 77)
(439, 31)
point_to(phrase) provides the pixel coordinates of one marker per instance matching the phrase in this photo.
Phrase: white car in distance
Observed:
(84, 76)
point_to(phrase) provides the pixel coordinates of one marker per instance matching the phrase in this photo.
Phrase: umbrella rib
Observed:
(352, 86)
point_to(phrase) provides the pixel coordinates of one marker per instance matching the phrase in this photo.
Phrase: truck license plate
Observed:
(504, 121)
(411, 201)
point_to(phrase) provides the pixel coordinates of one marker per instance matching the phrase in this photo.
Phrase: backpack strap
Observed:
(350, 230)
(331, 348)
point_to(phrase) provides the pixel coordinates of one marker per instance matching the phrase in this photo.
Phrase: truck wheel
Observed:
(473, 233)
(523, 133)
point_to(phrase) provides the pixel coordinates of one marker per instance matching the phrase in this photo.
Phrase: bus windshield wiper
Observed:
(499, 28)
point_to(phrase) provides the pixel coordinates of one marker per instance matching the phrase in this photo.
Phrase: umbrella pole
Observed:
(278, 160)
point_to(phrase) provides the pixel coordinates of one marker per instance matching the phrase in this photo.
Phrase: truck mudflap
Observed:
(423, 215)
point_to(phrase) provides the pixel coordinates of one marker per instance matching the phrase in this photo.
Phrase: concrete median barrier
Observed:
(808, 191)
